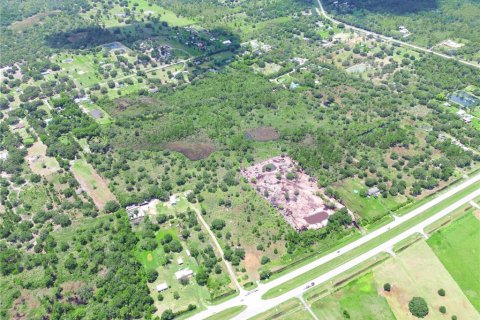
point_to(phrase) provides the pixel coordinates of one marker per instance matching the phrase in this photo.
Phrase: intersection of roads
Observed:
(253, 300)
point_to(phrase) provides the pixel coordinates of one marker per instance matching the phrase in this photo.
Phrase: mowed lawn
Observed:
(369, 207)
(92, 183)
(417, 272)
(292, 309)
(359, 299)
(458, 248)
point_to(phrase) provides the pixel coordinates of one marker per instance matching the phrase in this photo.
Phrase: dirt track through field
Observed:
(92, 183)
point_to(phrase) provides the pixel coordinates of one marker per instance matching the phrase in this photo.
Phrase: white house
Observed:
(161, 287)
(183, 274)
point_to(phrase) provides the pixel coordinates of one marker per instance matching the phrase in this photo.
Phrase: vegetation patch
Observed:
(263, 134)
(192, 150)
(360, 299)
(458, 248)
(417, 272)
(92, 183)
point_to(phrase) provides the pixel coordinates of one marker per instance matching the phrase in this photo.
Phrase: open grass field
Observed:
(416, 271)
(359, 299)
(458, 248)
(89, 107)
(142, 9)
(82, 68)
(369, 207)
(289, 310)
(35, 197)
(227, 314)
(92, 183)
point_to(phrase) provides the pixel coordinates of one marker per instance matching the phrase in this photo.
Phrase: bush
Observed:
(152, 275)
(168, 315)
(454, 317)
(111, 206)
(441, 293)
(265, 260)
(418, 307)
(218, 224)
(387, 287)
(442, 309)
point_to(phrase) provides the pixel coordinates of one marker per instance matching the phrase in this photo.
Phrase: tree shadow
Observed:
(396, 7)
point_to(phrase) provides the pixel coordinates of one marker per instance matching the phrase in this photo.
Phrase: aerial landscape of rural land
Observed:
(240, 159)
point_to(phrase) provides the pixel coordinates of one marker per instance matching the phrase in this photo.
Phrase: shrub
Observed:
(387, 287)
(418, 307)
(441, 292)
(152, 275)
(111, 206)
(218, 224)
(265, 260)
(442, 309)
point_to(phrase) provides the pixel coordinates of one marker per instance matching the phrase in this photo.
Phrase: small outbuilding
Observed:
(161, 287)
(373, 192)
(180, 261)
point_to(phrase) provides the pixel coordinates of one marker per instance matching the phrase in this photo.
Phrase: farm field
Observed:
(360, 299)
(93, 184)
(417, 272)
(457, 246)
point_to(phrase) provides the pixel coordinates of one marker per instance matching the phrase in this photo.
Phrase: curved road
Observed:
(253, 299)
(390, 39)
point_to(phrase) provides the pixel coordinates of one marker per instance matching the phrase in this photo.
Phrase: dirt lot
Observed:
(133, 105)
(294, 193)
(192, 150)
(38, 161)
(263, 134)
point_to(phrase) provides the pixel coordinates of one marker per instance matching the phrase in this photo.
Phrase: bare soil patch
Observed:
(263, 134)
(294, 193)
(252, 263)
(142, 104)
(39, 162)
(72, 286)
(192, 150)
(26, 298)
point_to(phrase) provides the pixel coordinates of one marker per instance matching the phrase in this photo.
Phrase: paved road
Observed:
(390, 39)
(253, 299)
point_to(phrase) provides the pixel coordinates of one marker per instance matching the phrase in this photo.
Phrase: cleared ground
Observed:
(92, 183)
(417, 272)
(294, 193)
(39, 162)
(458, 248)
